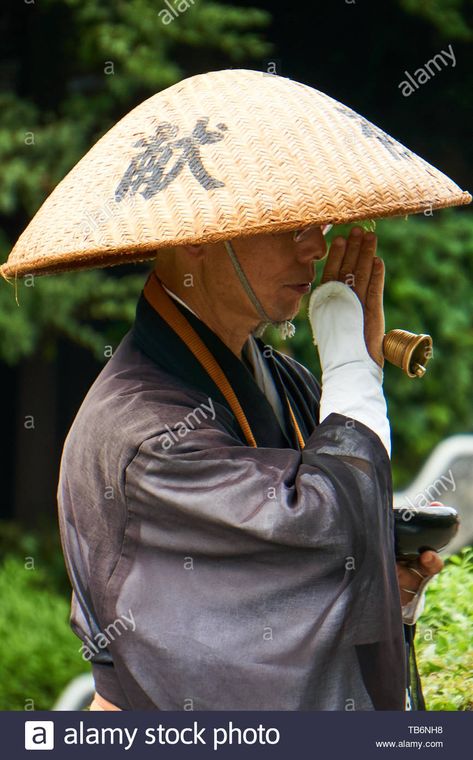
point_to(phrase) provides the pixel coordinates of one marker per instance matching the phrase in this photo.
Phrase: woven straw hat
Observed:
(217, 156)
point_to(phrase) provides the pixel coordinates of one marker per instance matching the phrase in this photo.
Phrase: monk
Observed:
(238, 507)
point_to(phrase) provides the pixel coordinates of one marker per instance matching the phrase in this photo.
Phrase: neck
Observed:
(232, 327)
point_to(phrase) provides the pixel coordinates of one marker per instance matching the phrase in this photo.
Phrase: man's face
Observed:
(280, 269)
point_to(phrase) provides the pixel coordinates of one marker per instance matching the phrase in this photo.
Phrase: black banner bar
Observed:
(228, 735)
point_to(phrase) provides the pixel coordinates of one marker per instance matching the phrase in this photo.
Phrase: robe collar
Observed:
(160, 343)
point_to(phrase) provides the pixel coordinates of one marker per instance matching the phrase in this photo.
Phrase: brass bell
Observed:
(408, 351)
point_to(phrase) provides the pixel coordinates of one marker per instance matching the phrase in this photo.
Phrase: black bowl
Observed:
(418, 529)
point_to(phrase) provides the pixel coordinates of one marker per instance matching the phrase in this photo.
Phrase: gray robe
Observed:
(256, 578)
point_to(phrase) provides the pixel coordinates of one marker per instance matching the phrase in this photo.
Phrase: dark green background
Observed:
(53, 84)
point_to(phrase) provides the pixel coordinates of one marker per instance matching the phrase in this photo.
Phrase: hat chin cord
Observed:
(285, 328)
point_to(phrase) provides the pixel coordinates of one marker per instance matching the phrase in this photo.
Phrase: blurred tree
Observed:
(453, 18)
(69, 70)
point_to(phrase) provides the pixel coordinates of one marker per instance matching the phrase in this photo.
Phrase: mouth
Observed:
(301, 287)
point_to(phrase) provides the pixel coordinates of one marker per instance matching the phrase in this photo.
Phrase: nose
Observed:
(310, 244)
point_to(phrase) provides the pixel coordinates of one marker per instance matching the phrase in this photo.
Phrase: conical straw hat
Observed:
(217, 156)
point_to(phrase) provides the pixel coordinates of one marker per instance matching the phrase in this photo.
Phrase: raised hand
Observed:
(353, 261)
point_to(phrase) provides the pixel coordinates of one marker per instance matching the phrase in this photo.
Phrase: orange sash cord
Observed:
(165, 306)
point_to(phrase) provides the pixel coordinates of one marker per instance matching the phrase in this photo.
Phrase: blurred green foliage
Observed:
(43, 545)
(101, 59)
(444, 637)
(90, 308)
(451, 17)
(39, 653)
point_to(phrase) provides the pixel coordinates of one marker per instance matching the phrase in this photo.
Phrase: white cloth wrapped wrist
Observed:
(351, 380)
(412, 611)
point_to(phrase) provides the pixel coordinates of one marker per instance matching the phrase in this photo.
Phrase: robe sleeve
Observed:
(258, 578)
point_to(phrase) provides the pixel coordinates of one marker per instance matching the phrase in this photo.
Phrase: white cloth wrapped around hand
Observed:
(351, 380)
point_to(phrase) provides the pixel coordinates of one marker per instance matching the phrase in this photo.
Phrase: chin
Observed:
(288, 308)
(288, 315)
